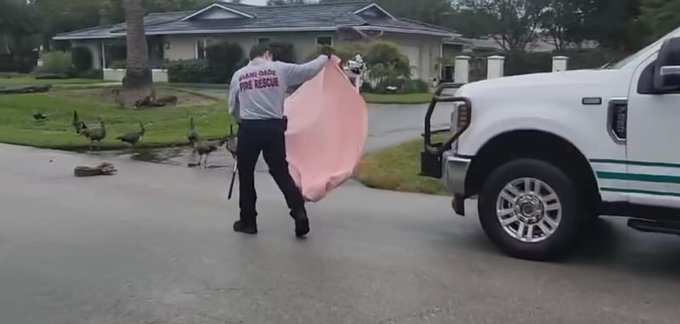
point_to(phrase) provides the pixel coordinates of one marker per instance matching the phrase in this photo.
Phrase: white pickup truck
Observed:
(546, 153)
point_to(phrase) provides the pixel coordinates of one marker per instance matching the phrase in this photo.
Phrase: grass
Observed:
(169, 125)
(374, 98)
(13, 80)
(397, 169)
(399, 99)
(199, 86)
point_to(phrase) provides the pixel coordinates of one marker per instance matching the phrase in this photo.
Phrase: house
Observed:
(185, 35)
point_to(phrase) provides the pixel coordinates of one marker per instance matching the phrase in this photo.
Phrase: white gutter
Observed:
(404, 31)
(87, 37)
(235, 31)
(260, 30)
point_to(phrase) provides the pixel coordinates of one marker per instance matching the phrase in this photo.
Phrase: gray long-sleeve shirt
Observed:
(258, 90)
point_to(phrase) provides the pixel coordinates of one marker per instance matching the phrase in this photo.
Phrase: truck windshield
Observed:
(644, 51)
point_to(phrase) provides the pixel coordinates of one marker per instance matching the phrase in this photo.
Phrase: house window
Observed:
(202, 45)
(324, 41)
(263, 40)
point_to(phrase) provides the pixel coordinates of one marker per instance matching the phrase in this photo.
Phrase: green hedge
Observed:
(525, 63)
(57, 62)
(222, 60)
(118, 64)
(190, 71)
(404, 86)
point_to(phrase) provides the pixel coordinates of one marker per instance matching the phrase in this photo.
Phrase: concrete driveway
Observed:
(153, 244)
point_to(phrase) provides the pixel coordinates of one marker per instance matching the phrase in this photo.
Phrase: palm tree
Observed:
(137, 84)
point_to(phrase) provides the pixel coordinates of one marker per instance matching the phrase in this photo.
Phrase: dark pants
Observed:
(266, 136)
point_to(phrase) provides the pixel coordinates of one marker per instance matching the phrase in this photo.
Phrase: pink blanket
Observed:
(327, 131)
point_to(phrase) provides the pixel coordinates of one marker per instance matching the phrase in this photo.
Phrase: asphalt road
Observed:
(153, 244)
(388, 124)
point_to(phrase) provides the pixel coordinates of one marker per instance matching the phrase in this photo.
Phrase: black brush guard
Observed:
(431, 157)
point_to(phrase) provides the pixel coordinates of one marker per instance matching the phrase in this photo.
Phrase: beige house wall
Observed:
(423, 52)
(184, 47)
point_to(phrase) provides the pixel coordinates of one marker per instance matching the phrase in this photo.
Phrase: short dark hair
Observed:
(259, 50)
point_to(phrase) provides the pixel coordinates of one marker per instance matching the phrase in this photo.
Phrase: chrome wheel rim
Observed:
(529, 210)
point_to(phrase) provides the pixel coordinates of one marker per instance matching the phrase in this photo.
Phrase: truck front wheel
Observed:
(530, 209)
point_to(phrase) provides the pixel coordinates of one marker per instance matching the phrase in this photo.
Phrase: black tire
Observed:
(567, 231)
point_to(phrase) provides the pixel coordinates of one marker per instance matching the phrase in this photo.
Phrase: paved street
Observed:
(153, 244)
(388, 124)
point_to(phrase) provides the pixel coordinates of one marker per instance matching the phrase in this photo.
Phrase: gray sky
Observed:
(255, 2)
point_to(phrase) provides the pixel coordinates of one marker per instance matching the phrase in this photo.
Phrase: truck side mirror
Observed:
(667, 67)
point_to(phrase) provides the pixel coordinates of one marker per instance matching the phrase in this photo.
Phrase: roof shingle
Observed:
(326, 16)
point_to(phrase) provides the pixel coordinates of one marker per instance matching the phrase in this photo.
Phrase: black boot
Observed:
(245, 228)
(301, 222)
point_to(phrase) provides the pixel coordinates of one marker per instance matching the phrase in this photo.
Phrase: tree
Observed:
(18, 25)
(470, 23)
(57, 16)
(110, 10)
(515, 22)
(614, 23)
(561, 21)
(660, 16)
(137, 83)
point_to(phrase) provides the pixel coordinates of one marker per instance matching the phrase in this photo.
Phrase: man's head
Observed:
(261, 51)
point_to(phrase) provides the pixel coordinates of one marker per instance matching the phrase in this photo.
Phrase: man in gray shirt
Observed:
(256, 96)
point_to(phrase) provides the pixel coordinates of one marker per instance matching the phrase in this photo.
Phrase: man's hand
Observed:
(327, 50)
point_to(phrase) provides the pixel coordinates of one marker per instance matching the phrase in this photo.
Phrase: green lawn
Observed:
(404, 99)
(199, 86)
(397, 169)
(400, 99)
(12, 80)
(169, 125)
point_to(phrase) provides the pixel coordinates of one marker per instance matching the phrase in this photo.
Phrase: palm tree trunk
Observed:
(137, 84)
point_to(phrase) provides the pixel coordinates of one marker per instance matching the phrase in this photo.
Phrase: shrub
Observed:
(119, 64)
(415, 86)
(190, 71)
(366, 87)
(384, 75)
(525, 63)
(51, 76)
(592, 59)
(388, 54)
(21, 64)
(56, 63)
(82, 58)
